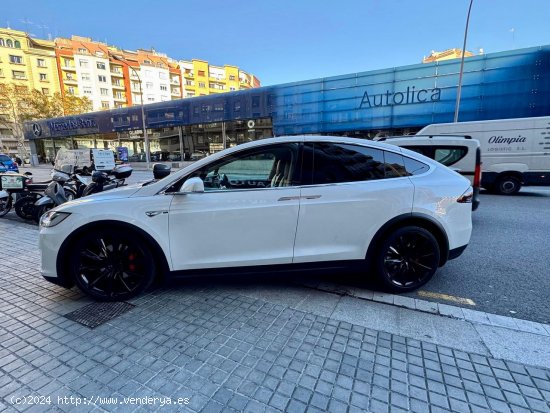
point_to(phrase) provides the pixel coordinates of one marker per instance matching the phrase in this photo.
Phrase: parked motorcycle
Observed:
(25, 205)
(56, 194)
(11, 185)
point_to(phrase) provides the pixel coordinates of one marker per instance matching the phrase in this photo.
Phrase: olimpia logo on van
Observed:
(509, 141)
(405, 97)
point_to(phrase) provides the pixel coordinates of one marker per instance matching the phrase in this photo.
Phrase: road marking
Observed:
(447, 297)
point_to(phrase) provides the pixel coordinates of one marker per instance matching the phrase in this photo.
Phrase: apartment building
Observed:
(201, 79)
(28, 63)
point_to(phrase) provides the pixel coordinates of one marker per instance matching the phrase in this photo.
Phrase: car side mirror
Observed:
(161, 170)
(192, 185)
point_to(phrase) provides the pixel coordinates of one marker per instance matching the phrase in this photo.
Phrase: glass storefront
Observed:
(165, 144)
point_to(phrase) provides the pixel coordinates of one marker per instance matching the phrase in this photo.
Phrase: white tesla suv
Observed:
(286, 203)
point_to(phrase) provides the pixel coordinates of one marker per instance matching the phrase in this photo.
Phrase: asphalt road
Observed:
(506, 268)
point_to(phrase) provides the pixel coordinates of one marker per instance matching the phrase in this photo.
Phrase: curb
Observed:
(445, 310)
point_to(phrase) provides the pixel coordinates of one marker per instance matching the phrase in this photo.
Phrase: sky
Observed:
(284, 41)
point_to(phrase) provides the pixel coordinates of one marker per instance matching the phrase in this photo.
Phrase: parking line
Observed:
(460, 300)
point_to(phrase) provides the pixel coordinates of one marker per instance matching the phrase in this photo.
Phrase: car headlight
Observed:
(52, 218)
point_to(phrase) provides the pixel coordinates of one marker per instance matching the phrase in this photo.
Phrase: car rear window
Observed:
(415, 167)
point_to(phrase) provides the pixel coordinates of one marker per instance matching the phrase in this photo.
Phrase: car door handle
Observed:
(155, 213)
(311, 196)
(288, 198)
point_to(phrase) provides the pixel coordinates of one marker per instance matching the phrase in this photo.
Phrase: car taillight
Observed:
(466, 197)
(477, 173)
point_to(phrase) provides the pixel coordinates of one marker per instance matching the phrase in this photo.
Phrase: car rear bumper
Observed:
(475, 200)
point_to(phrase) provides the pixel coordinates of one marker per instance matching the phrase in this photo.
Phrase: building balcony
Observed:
(119, 98)
(70, 81)
(117, 73)
(121, 86)
(174, 81)
(69, 68)
(175, 93)
(188, 75)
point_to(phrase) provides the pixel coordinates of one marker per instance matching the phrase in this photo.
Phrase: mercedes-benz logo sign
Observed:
(36, 129)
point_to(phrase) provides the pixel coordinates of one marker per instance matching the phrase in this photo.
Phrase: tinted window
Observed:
(450, 155)
(270, 166)
(394, 165)
(334, 162)
(424, 150)
(415, 167)
(4, 158)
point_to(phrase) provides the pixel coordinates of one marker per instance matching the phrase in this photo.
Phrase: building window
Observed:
(69, 76)
(9, 43)
(84, 63)
(136, 98)
(147, 62)
(2, 42)
(231, 77)
(87, 90)
(85, 76)
(43, 77)
(232, 88)
(41, 62)
(67, 62)
(45, 91)
(163, 75)
(17, 44)
(100, 65)
(70, 90)
(148, 85)
(135, 85)
(160, 64)
(201, 84)
(116, 82)
(104, 92)
(164, 88)
(16, 59)
(118, 95)
(82, 50)
(18, 74)
(119, 105)
(150, 98)
(105, 105)
(201, 72)
(102, 78)
(189, 82)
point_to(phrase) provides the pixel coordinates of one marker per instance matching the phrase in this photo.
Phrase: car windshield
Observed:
(4, 158)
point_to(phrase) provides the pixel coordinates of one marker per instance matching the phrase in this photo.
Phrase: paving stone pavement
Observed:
(227, 352)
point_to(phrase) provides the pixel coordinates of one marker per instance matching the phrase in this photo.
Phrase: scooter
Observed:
(25, 205)
(100, 182)
(11, 184)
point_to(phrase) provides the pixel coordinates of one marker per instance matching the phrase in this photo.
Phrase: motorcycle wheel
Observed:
(24, 207)
(41, 210)
(5, 206)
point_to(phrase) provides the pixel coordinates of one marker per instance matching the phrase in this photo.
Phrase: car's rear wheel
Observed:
(111, 266)
(407, 259)
(507, 185)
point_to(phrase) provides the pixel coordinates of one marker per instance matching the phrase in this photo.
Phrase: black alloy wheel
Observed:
(110, 266)
(408, 259)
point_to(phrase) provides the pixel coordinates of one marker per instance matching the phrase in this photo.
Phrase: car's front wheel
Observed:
(111, 266)
(407, 259)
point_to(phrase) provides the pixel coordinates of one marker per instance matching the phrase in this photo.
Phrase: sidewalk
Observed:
(257, 346)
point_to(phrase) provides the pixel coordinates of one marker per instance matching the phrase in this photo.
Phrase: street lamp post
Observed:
(145, 135)
(459, 89)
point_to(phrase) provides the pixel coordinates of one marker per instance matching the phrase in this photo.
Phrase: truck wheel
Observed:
(507, 185)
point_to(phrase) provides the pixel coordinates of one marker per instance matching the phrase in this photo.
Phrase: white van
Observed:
(514, 152)
(460, 153)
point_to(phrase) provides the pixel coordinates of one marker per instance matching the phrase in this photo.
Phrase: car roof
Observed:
(460, 139)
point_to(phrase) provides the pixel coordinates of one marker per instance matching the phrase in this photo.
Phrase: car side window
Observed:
(415, 167)
(450, 155)
(328, 163)
(394, 165)
(265, 167)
